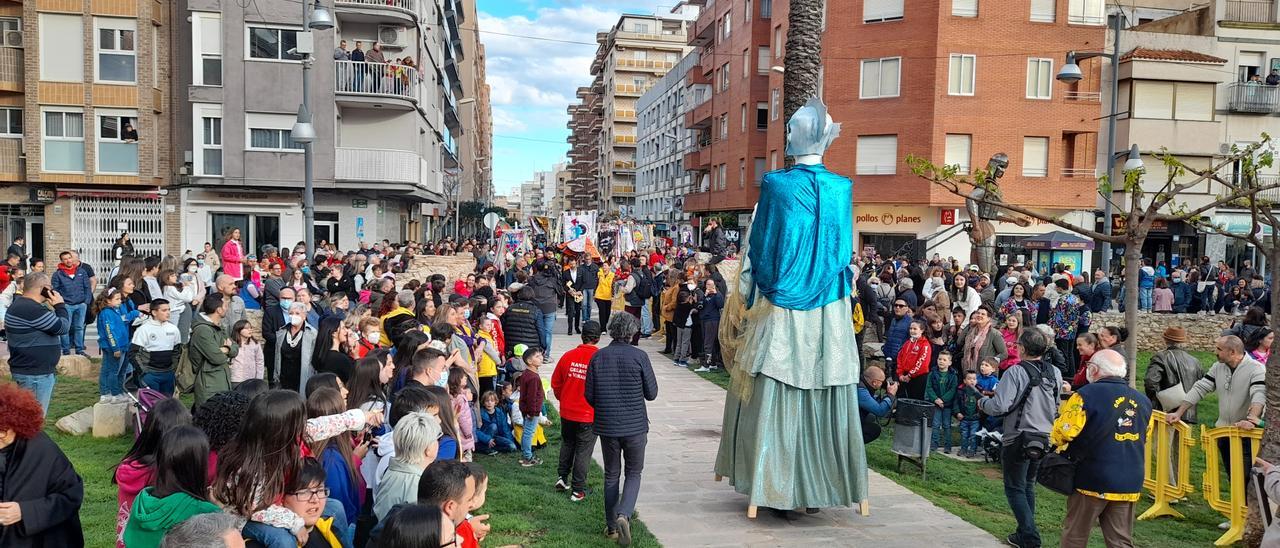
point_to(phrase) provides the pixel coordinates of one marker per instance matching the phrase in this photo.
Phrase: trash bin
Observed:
(912, 431)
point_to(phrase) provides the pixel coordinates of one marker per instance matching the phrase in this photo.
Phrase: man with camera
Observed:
(1027, 398)
(871, 407)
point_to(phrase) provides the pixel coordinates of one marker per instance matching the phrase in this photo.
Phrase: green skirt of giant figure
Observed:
(792, 434)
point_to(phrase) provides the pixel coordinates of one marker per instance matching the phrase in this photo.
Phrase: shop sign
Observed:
(887, 218)
(1238, 223)
(1119, 222)
(43, 195)
(360, 203)
(948, 217)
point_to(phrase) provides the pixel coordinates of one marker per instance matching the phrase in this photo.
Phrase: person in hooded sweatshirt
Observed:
(178, 491)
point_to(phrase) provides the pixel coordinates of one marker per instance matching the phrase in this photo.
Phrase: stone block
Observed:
(453, 267)
(79, 367)
(1202, 330)
(78, 423)
(254, 317)
(110, 419)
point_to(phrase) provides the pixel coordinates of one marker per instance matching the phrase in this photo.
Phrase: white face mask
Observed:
(373, 336)
(295, 320)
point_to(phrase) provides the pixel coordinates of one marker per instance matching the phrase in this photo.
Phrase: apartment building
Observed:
(387, 127)
(475, 147)
(730, 107)
(84, 106)
(631, 57)
(585, 121)
(663, 140)
(1185, 87)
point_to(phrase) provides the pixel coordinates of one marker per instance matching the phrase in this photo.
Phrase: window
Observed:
(116, 50)
(724, 176)
(874, 11)
(11, 122)
(880, 77)
(206, 49)
(778, 44)
(742, 173)
(1039, 78)
(1042, 11)
(724, 126)
(760, 170)
(877, 154)
(742, 120)
(272, 43)
(271, 132)
(773, 104)
(747, 15)
(61, 38)
(63, 144)
(1035, 156)
(117, 141)
(724, 77)
(208, 153)
(1172, 100)
(773, 159)
(762, 116)
(959, 149)
(728, 24)
(640, 28)
(964, 8)
(762, 60)
(766, 9)
(1086, 12)
(746, 62)
(960, 81)
(10, 24)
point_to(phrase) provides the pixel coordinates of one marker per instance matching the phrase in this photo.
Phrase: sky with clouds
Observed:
(532, 81)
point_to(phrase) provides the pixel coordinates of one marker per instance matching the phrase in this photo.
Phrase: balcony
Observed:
(1080, 172)
(367, 165)
(377, 81)
(643, 65)
(624, 140)
(703, 31)
(674, 38)
(1250, 11)
(1272, 195)
(624, 115)
(698, 160)
(1253, 98)
(623, 190)
(624, 166)
(630, 90)
(699, 117)
(11, 69)
(1082, 96)
(376, 10)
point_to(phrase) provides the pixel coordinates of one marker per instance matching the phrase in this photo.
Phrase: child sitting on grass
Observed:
(531, 398)
(966, 408)
(941, 390)
(495, 435)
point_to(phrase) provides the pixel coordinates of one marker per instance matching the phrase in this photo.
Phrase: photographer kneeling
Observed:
(1027, 398)
(871, 407)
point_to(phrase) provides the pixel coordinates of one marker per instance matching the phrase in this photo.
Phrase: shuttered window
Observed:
(1153, 100)
(881, 10)
(1193, 101)
(1042, 11)
(877, 154)
(964, 8)
(1035, 156)
(958, 151)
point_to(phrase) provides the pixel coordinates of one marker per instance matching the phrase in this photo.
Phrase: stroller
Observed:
(991, 442)
(143, 398)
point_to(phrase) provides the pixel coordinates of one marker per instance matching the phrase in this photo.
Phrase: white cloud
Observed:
(530, 72)
(506, 122)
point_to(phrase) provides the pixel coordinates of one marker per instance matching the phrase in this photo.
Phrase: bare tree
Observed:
(803, 59)
(1144, 209)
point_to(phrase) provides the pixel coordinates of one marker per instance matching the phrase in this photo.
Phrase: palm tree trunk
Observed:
(803, 54)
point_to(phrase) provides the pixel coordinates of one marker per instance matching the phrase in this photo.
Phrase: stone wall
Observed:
(454, 267)
(1201, 330)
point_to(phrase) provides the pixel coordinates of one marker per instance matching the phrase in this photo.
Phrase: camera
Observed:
(1034, 445)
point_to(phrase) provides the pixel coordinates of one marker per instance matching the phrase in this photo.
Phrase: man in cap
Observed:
(1169, 368)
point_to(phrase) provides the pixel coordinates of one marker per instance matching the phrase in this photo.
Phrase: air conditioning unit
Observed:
(393, 37)
(13, 38)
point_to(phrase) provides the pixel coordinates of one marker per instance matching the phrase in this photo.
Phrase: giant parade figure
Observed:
(792, 435)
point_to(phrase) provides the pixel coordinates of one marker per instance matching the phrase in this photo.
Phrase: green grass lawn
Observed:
(525, 510)
(975, 492)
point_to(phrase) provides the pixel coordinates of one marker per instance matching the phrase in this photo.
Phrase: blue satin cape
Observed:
(802, 238)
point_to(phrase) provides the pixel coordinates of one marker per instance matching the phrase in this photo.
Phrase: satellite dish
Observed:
(491, 220)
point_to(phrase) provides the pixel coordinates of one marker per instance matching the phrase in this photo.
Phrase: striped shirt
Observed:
(34, 330)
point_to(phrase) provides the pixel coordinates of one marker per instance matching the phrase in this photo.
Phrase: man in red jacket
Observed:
(578, 440)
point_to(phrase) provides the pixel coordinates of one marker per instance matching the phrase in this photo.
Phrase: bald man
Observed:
(226, 286)
(871, 407)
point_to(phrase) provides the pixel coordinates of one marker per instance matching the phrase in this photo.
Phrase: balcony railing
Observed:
(407, 6)
(645, 64)
(621, 189)
(1254, 98)
(1079, 172)
(631, 89)
(1270, 195)
(624, 139)
(624, 115)
(624, 165)
(1251, 11)
(1083, 96)
(11, 68)
(377, 166)
(376, 79)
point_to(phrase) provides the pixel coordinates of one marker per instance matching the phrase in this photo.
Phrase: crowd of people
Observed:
(351, 417)
(1002, 358)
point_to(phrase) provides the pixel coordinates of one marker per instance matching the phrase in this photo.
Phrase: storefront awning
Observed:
(1056, 240)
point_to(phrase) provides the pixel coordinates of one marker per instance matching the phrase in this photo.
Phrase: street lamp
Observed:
(303, 131)
(1070, 74)
(1134, 163)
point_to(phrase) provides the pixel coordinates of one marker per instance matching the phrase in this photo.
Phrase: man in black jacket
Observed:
(619, 381)
(588, 279)
(274, 318)
(547, 289)
(522, 324)
(714, 241)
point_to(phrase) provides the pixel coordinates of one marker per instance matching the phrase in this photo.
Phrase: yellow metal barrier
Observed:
(1160, 442)
(1233, 508)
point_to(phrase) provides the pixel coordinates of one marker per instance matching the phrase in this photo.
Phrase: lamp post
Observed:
(1071, 74)
(303, 131)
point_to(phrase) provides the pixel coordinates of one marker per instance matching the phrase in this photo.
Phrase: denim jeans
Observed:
(74, 339)
(548, 327)
(530, 426)
(40, 385)
(646, 320)
(112, 374)
(614, 452)
(587, 293)
(968, 437)
(942, 429)
(160, 382)
(1020, 491)
(1144, 298)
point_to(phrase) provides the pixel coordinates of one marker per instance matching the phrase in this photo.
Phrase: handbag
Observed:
(1171, 397)
(1057, 473)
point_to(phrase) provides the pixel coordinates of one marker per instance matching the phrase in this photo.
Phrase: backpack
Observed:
(184, 371)
(644, 287)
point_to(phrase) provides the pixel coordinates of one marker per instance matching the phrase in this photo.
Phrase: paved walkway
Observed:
(683, 505)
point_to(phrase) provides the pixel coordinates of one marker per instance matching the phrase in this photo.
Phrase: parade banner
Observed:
(540, 225)
(576, 224)
(608, 241)
(514, 240)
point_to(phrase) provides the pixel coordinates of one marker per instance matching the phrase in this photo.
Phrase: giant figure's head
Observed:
(811, 130)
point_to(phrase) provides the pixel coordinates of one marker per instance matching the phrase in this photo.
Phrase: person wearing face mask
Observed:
(204, 270)
(294, 343)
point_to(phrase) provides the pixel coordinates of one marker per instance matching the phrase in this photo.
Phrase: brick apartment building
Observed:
(955, 82)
